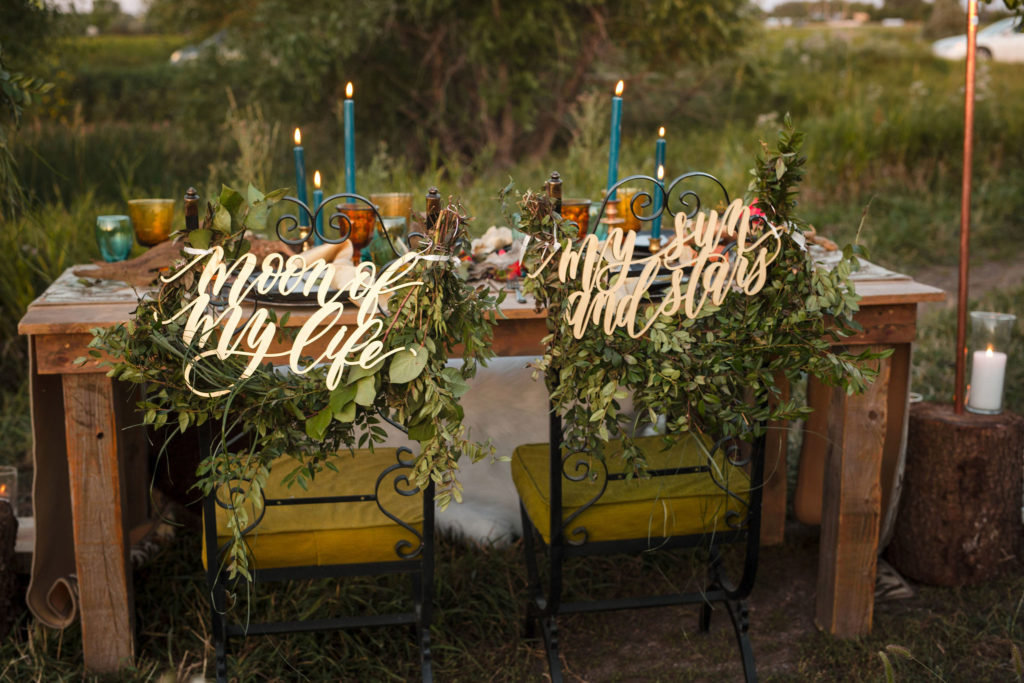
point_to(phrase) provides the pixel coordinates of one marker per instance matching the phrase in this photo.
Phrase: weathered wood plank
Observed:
(101, 538)
(851, 509)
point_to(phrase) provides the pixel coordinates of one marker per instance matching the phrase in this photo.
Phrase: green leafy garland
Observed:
(296, 414)
(718, 374)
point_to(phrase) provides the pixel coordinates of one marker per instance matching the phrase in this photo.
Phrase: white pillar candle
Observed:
(987, 374)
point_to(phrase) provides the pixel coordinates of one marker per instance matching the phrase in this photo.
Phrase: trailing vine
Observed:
(269, 413)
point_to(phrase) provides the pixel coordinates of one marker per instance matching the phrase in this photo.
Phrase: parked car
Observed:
(1002, 41)
(215, 43)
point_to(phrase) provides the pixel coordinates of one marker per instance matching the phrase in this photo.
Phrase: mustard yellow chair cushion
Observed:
(338, 533)
(675, 505)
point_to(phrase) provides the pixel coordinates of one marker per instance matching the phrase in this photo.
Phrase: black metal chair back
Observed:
(395, 542)
(575, 504)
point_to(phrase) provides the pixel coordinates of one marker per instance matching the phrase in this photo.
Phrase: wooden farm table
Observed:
(80, 421)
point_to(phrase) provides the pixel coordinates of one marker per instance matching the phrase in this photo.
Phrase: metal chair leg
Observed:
(739, 615)
(550, 629)
(533, 577)
(705, 616)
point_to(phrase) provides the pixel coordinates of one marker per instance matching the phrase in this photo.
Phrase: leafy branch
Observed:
(271, 414)
(718, 373)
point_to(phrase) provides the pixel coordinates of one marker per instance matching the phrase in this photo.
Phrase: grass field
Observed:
(884, 139)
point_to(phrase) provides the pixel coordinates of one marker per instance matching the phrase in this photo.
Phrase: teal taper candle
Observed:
(300, 176)
(350, 141)
(318, 198)
(659, 173)
(613, 145)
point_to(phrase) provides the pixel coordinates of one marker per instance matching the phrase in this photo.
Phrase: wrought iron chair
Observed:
(366, 519)
(699, 494)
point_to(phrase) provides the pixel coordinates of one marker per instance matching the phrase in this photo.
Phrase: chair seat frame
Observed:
(545, 606)
(416, 561)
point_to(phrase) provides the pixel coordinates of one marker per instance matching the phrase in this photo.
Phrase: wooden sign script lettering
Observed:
(254, 337)
(610, 298)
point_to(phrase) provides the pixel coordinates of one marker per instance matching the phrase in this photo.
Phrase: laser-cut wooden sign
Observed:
(253, 337)
(607, 296)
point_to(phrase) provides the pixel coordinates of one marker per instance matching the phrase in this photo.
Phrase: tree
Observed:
(24, 28)
(909, 10)
(462, 75)
(104, 14)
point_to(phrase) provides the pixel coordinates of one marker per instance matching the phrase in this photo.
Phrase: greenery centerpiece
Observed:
(719, 372)
(323, 410)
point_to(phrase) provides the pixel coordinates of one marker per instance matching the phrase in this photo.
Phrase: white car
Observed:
(1003, 41)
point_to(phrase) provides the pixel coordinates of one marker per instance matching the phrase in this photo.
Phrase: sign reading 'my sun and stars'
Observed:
(606, 295)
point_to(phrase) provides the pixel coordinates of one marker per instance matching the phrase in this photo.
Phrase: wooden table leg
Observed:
(895, 437)
(773, 504)
(813, 454)
(851, 509)
(97, 505)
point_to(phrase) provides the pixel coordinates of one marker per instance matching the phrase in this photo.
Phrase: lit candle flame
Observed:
(298, 137)
(661, 172)
(619, 88)
(316, 180)
(348, 90)
(661, 132)
(988, 351)
(3, 489)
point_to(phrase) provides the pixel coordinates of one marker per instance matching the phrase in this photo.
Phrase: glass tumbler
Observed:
(628, 209)
(394, 204)
(115, 237)
(153, 219)
(987, 350)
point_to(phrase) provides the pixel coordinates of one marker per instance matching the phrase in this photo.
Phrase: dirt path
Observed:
(982, 277)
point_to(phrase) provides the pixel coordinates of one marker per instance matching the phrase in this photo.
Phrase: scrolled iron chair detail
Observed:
(572, 505)
(687, 200)
(412, 530)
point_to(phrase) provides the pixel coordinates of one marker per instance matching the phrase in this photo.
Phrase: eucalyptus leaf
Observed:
(200, 239)
(230, 199)
(422, 431)
(456, 384)
(316, 426)
(341, 395)
(407, 364)
(347, 413)
(222, 220)
(366, 391)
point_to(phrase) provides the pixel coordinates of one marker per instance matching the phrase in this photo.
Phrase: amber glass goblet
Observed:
(362, 220)
(577, 211)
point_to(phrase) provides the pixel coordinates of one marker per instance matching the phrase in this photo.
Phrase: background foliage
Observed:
(884, 128)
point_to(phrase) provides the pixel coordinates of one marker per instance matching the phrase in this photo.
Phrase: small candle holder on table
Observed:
(9, 487)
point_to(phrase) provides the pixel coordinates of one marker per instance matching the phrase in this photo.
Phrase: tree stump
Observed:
(9, 607)
(959, 519)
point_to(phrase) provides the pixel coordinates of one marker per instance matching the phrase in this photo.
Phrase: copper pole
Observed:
(965, 208)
